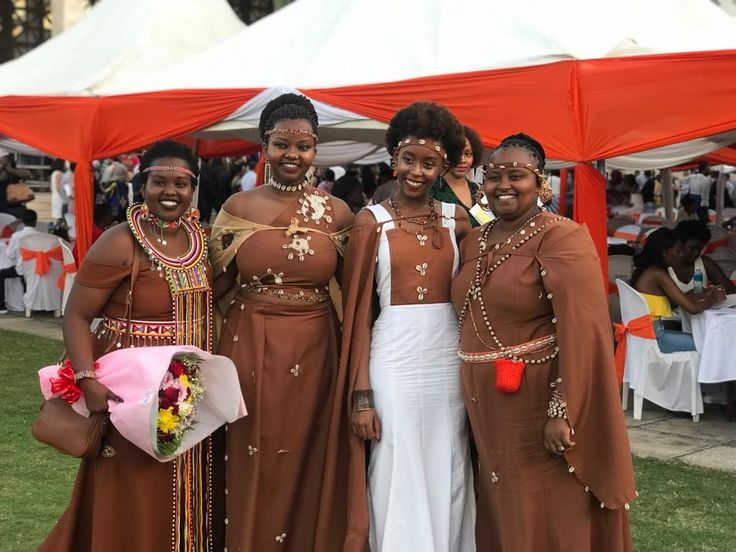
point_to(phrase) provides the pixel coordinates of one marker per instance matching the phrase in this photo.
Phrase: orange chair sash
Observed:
(639, 327)
(43, 258)
(70, 268)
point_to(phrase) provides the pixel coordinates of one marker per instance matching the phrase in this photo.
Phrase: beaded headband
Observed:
(516, 165)
(297, 131)
(424, 143)
(169, 168)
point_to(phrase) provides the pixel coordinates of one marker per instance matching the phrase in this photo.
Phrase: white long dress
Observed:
(420, 483)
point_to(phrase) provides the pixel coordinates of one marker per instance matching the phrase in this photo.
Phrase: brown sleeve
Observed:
(358, 276)
(601, 459)
(101, 276)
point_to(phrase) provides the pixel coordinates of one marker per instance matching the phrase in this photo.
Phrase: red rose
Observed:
(177, 368)
(168, 397)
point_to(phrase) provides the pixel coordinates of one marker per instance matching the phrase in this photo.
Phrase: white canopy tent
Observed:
(343, 42)
(118, 43)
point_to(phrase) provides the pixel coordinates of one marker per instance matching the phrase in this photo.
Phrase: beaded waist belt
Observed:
(534, 346)
(310, 295)
(138, 328)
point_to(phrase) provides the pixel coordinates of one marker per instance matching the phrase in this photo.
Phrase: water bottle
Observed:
(698, 281)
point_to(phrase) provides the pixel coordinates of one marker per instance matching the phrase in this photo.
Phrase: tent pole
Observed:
(667, 198)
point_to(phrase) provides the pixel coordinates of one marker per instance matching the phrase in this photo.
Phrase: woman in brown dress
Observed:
(151, 282)
(276, 249)
(538, 373)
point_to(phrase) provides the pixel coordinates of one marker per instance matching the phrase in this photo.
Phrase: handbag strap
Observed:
(129, 299)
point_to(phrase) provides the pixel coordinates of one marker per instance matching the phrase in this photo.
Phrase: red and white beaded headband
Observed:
(296, 131)
(169, 168)
(423, 143)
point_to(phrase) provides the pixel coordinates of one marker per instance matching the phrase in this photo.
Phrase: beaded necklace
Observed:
(424, 221)
(284, 187)
(480, 277)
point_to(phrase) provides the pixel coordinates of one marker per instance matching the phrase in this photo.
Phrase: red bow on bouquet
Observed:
(64, 386)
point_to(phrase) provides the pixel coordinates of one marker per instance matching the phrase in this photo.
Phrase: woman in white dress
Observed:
(404, 382)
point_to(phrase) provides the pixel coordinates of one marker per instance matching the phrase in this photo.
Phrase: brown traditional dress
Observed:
(286, 461)
(549, 285)
(124, 500)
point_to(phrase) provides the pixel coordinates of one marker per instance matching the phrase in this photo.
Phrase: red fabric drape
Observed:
(590, 209)
(260, 170)
(82, 129)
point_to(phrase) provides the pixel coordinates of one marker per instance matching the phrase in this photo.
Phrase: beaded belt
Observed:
(289, 294)
(534, 346)
(138, 328)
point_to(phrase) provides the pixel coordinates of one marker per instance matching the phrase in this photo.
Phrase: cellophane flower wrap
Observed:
(207, 395)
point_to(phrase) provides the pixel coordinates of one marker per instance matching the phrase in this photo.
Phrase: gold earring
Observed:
(267, 172)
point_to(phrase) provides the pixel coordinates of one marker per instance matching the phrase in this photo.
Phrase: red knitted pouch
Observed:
(508, 374)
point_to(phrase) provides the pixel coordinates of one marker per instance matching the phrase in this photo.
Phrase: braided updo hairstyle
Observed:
(525, 142)
(287, 106)
(169, 148)
(427, 120)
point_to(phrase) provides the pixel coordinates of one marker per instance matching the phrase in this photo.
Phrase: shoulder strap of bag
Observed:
(129, 299)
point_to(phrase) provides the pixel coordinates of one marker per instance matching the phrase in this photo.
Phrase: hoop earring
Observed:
(267, 172)
(480, 198)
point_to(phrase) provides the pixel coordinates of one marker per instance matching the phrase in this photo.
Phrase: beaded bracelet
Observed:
(363, 399)
(84, 374)
(557, 406)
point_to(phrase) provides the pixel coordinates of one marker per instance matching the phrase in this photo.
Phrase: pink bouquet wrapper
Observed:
(135, 375)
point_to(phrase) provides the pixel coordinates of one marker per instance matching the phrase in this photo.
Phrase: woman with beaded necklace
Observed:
(401, 355)
(538, 374)
(275, 250)
(150, 281)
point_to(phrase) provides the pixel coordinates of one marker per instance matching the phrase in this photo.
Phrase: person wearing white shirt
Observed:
(698, 185)
(248, 181)
(28, 219)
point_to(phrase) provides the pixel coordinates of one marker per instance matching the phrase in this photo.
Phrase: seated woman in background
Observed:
(694, 237)
(651, 278)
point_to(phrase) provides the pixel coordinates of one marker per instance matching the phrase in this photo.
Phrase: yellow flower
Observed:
(184, 380)
(167, 420)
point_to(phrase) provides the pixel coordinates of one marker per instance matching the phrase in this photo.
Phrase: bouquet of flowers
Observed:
(178, 397)
(166, 407)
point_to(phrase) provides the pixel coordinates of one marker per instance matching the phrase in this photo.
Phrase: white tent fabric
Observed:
(117, 43)
(355, 42)
(349, 42)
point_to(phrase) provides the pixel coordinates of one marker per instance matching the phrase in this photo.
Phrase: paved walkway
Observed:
(711, 443)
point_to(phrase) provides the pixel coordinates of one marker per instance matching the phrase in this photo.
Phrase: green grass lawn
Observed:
(681, 509)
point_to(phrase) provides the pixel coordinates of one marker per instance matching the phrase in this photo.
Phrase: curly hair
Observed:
(287, 106)
(427, 120)
(526, 142)
(475, 144)
(170, 148)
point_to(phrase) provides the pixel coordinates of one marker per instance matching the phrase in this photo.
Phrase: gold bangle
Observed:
(363, 399)
(84, 374)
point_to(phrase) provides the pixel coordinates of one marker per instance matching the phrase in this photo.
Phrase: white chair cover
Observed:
(669, 380)
(70, 274)
(42, 293)
(13, 286)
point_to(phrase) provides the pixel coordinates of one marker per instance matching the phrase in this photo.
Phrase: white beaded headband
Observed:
(422, 142)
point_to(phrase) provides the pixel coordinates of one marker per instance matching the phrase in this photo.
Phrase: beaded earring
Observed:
(545, 190)
(191, 214)
(267, 172)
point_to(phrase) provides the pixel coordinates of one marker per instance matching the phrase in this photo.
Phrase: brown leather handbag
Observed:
(59, 426)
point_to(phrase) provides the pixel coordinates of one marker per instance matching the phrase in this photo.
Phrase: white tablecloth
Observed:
(714, 333)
